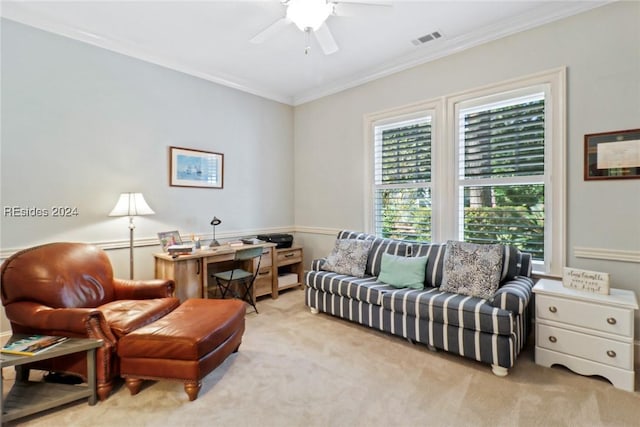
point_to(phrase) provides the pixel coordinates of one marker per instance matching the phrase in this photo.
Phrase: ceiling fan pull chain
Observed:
(307, 40)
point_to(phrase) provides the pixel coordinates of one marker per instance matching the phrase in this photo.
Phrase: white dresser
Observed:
(589, 333)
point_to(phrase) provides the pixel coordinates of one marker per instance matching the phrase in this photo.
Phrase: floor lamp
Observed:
(131, 204)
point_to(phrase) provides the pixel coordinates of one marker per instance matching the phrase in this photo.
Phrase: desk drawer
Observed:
(598, 349)
(289, 256)
(264, 281)
(583, 314)
(265, 260)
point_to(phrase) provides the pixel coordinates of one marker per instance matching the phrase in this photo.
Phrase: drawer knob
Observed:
(553, 309)
(553, 339)
(611, 353)
(611, 320)
(289, 255)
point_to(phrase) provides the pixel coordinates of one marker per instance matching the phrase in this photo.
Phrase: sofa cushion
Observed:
(348, 257)
(125, 316)
(366, 289)
(402, 271)
(472, 269)
(449, 308)
(379, 246)
(435, 261)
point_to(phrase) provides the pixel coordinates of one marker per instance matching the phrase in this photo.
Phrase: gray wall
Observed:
(82, 124)
(601, 50)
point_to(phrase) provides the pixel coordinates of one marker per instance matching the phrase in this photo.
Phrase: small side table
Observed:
(589, 333)
(29, 397)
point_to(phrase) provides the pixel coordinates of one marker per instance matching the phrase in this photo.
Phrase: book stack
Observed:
(175, 250)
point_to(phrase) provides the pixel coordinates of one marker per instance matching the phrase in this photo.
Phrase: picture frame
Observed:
(195, 168)
(612, 155)
(169, 238)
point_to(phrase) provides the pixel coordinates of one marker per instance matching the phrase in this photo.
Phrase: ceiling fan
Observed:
(310, 16)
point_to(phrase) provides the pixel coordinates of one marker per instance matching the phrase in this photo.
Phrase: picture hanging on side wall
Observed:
(612, 155)
(195, 168)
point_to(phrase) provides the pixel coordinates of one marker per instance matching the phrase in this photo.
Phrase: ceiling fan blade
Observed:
(352, 8)
(270, 30)
(325, 39)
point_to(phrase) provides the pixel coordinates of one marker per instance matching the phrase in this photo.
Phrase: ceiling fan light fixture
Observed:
(308, 13)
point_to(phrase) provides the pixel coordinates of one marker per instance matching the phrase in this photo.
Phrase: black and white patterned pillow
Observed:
(349, 256)
(472, 269)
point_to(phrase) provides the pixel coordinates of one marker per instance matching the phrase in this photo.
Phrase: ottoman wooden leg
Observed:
(192, 388)
(133, 384)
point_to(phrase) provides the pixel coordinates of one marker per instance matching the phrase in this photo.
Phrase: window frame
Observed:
(445, 174)
(433, 109)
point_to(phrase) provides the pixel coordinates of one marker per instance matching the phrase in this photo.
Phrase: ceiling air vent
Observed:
(426, 38)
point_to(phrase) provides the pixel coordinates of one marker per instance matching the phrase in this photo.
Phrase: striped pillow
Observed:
(381, 246)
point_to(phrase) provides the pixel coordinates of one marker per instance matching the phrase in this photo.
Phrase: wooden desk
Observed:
(190, 272)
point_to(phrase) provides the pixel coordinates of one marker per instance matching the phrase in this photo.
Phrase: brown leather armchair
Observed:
(68, 289)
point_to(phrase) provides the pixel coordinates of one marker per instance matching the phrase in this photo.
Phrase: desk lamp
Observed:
(215, 221)
(131, 204)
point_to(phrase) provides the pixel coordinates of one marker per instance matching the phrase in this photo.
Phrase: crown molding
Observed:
(22, 16)
(445, 47)
(441, 48)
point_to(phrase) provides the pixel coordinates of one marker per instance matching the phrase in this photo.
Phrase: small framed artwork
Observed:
(195, 168)
(612, 155)
(169, 238)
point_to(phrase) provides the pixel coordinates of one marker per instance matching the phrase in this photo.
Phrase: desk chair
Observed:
(225, 279)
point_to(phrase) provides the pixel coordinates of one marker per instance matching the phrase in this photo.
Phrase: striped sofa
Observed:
(490, 331)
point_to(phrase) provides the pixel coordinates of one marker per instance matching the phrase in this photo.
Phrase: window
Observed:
(483, 166)
(402, 194)
(501, 172)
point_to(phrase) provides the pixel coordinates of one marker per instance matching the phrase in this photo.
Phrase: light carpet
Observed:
(299, 369)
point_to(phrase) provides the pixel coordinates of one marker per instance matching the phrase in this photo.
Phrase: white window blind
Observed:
(501, 164)
(402, 189)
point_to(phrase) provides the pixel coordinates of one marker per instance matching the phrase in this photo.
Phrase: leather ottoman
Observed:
(185, 345)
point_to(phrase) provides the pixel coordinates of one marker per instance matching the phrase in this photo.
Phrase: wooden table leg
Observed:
(91, 375)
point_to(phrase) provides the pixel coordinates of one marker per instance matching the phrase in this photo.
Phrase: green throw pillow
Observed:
(403, 272)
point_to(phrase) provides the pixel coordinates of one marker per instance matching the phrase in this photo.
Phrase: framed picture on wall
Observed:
(195, 168)
(612, 155)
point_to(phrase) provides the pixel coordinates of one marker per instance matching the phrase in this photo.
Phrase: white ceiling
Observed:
(210, 39)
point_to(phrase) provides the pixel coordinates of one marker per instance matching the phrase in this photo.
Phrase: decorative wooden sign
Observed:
(585, 280)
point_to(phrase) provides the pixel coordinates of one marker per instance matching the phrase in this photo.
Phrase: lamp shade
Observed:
(131, 204)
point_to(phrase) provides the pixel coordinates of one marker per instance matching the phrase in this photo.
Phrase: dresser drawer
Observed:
(601, 350)
(587, 315)
(289, 256)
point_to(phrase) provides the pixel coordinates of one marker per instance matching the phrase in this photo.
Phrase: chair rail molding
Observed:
(317, 230)
(607, 254)
(153, 241)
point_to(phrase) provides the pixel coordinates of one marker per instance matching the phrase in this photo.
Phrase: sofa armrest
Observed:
(143, 289)
(317, 264)
(514, 295)
(81, 322)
